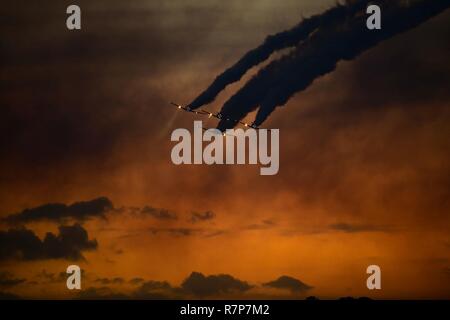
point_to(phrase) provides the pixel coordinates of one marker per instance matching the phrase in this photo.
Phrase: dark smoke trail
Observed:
(282, 40)
(319, 54)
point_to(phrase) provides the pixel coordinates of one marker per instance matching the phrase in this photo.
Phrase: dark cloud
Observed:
(352, 228)
(284, 39)
(23, 244)
(81, 210)
(102, 293)
(8, 296)
(137, 280)
(289, 283)
(202, 216)
(161, 214)
(50, 277)
(147, 290)
(166, 214)
(45, 120)
(265, 224)
(378, 105)
(155, 290)
(185, 232)
(8, 280)
(200, 285)
(107, 293)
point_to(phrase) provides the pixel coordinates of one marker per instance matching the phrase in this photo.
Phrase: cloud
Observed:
(49, 277)
(148, 290)
(352, 228)
(178, 232)
(161, 214)
(81, 210)
(202, 216)
(196, 285)
(23, 244)
(90, 124)
(155, 290)
(216, 233)
(8, 280)
(200, 285)
(185, 232)
(102, 293)
(8, 296)
(265, 224)
(272, 43)
(289, 283)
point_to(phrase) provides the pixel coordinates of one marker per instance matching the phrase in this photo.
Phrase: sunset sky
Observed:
(85, 117)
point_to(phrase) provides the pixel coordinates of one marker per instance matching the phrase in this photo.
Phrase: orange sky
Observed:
(365, 148)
